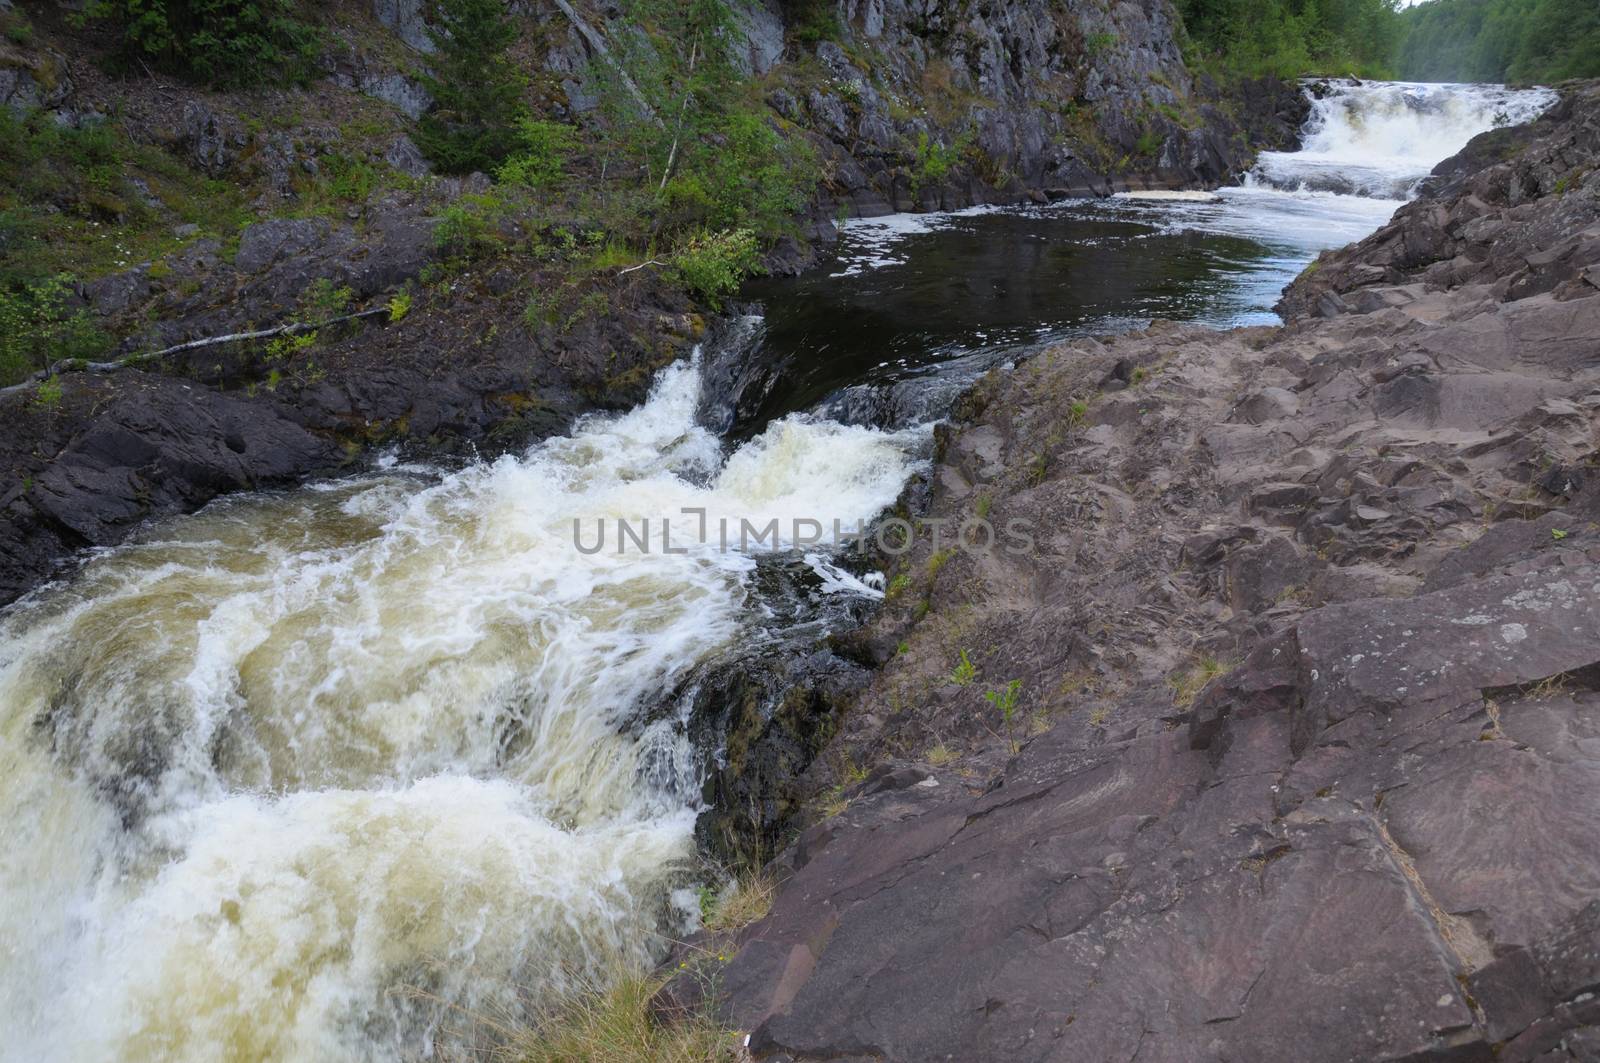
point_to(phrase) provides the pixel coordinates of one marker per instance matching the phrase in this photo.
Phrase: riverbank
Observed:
(1280, 744)
(171, 214)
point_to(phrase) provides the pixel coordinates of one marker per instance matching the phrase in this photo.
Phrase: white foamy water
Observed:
(1378, 139)
(324, 775)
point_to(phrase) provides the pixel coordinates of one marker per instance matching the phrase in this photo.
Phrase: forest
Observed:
(1521, 41)
(1500, 40)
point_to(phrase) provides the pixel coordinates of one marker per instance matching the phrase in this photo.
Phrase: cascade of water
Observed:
(1378, 139)
(281, 761)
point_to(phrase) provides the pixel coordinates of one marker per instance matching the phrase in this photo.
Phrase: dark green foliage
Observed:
(217, 42)
(1288, 38)
(37, 328)
(934, 160)
(1501, 40)
(477, 89)
(49, 168)
(811, 21)
(540, 159)
(713, 266)
(707, 153)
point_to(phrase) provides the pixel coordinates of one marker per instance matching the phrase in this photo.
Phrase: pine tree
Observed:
(476, 88)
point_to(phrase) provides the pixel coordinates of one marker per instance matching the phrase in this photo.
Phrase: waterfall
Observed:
(318, 776)
(1378, 139)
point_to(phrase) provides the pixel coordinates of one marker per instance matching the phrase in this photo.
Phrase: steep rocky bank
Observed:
(244, 211)
(1300, 762)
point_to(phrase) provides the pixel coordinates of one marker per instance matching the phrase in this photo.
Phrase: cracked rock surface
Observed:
(1306, 759)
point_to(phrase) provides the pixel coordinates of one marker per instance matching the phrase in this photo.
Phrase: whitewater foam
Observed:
(313, 776)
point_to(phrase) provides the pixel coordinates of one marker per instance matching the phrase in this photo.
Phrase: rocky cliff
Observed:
(201, 214)
(1302, 757)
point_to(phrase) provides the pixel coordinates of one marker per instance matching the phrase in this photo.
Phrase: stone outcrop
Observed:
(1029, 99)
(1305, 760)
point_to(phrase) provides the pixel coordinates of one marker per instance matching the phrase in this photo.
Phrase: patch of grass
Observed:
(744, 899)
(937, 561)
(940, 755)
(985, 504)
(898, 586)
(615, 254)
(613, 1024)
(1186, 686)
(399, 307)
(1097, 44)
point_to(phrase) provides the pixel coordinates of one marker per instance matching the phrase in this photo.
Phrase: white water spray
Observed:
(320, 776)
(1379, 139)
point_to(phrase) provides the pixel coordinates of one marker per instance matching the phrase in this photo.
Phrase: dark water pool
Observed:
(910, 309)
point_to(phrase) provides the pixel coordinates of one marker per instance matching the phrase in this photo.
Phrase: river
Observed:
(313, 775)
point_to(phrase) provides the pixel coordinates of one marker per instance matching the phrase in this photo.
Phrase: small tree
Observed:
(477, 90)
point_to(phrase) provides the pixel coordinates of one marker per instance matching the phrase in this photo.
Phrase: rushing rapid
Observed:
(322, 776)
(333, 774)
(1378, 140)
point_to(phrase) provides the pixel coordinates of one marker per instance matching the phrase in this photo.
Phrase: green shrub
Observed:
(38, 329)
(965, 671)
(218, 42)
(466, 229)
(1148, 144)
(934, 160)
(812, 21)
(477, 90)
(1097, 44)
(48, 393)
(713, 265)
(540, 159)
(350, 179)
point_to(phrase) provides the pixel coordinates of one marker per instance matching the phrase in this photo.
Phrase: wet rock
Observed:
(165, 447)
